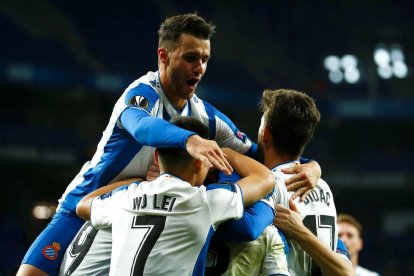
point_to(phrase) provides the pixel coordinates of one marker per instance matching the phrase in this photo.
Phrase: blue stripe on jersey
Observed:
(255, 219)
(341, 249)
(145, 91)
(118, 152)
(211, 119)
(165, 115)
(286, 249)
(227, 179)
(212, 112)
(252, 152)
(200, 264)
(189, 109)
(229, 187)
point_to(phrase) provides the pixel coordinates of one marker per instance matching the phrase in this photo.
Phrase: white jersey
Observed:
(264, 256)
(163, 227)
(361, 271)
(319, 215)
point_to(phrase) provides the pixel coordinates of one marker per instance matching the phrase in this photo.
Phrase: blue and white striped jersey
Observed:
(164, 227)
(137, 125)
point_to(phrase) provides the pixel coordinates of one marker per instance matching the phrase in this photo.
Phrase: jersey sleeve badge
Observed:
(140, 101)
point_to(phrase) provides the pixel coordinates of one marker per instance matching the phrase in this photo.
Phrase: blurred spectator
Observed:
(350, 232)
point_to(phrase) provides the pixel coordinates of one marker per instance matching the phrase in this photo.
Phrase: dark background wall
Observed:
(63, 64)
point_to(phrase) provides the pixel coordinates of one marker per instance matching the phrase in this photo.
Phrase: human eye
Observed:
(190, 58)
(205, 59)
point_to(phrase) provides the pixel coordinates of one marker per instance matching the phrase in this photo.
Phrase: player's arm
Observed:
(290, 223)
(157, 132)
(255, 219)
(257, 180)
(228, 135)
(83, 208)
(305, 177)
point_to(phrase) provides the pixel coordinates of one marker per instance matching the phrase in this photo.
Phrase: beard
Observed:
(179, 87)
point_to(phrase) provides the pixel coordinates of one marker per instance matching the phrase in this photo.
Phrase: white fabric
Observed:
(187, 223)
(319, 215)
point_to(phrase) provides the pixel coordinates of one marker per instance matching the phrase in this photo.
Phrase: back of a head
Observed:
(346, 218)
(173, 157)
(292, 118)
(190, 23)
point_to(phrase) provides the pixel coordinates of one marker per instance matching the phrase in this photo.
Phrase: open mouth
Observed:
(192, 83)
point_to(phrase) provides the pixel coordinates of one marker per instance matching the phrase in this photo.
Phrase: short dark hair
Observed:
(347, 218)
(292, 117)
(190, 23)
(173, 157)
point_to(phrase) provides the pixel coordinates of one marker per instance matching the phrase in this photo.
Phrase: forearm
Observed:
(257, 180)
(83, 208)
(330, 262)
(153, 131)
(255, 219)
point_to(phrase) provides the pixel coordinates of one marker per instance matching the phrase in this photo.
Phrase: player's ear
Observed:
(360, 244)
(267, 137)
(156, 156)
(163, 55)
(198, 165)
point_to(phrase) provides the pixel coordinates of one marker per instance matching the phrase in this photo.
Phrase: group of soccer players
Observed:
(164, 226)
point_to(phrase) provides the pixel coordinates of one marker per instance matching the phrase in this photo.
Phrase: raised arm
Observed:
(157, 132)
(290, 223)
(83, 208)
(257, 180)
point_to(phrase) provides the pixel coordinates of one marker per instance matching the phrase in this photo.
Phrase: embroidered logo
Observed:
(241, 136)
(51, 252)
(140, 101)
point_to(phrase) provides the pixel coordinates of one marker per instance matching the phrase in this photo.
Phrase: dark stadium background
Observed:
(63, 64)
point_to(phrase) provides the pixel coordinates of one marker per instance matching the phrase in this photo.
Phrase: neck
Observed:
(177, 102)
(354, 260)
(272, 158)
(184, 174)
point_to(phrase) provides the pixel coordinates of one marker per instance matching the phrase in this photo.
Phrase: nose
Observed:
(199, 67)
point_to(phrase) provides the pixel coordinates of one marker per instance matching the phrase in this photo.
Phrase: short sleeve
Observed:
(103, 208)
(225, 201)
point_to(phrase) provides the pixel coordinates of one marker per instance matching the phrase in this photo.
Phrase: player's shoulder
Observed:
(143, 92)
(322, 184)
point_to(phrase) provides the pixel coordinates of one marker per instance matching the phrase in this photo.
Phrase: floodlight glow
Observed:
(352, 76)
(331, 63)
(336, 76)
(382, 57)
(400, 69)
(397, 54)
(384, 72)
(42, 211)
(349, 61)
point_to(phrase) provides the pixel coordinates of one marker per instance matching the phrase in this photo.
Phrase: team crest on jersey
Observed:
(241, 136)
(139, 101)
(51, 252)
